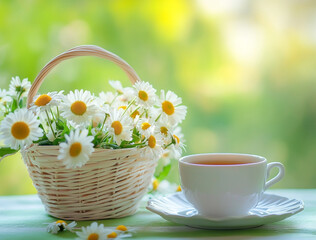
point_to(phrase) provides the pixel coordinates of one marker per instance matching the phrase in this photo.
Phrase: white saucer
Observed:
(271, 208)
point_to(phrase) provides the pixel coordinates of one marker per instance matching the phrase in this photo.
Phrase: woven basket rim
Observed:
(52, 151)
(95, 149)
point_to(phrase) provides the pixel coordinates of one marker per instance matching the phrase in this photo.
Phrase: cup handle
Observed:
(278, 177)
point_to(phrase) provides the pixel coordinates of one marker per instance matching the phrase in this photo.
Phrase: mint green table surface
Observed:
(24, 217)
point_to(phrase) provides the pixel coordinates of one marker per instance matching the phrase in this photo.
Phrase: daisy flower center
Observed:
(155, 184)
(168, 107)
(152, 141)
(122, 107)
(112, 235)
(179, 188)
(78, 108)
(177, 138)
(20, 130)
(145, 125)
(117, 126)
(93, 236)
(143, 95)
(164, 130)
(61, 222)
(134, 114)
(165, 154)
(75, 149)
(121, 228)
(43, 100)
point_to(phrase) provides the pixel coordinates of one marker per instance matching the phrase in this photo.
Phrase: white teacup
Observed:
(226, 190)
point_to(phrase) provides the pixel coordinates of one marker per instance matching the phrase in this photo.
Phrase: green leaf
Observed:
(6, 150)
(164, 173)
(14, 105)
(45, 142)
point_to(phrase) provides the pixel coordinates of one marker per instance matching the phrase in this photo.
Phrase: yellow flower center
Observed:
(164, 130)
(143, 95)
(145, 125)
(179, 188)
(167, 107)
(165, 154)
(93, 236)
(78, 108)
(152, 141)
(20, 130)
(61, 222)
(134, 114)
(112, 235)
(75, 149)
(43, 100)
(121, 228)
(118, 128)
(176, 138)
(155, 184)
(122, 107)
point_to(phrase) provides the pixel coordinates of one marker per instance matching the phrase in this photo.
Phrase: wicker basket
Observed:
(110, 185)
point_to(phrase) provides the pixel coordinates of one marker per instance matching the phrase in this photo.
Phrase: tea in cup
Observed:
(223, 185)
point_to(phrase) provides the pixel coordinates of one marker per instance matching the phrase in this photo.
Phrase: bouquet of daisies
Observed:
(79, 122)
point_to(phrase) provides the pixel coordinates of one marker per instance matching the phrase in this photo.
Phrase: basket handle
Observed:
(84, 50)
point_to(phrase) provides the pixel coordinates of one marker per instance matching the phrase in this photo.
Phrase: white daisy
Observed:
(106, 98)
(117, 85)
(60, 226)
(171, 108)
(145, 94)
(119, 106)
(166, 157)
(46, 101)
(134, 112)
(178, 143)
(79, 107)
(20, 128)
(125, 94)
(76, 150)
(163, 187)
(166, 187)
(124, 229)
(120, 232)
(92, 232)
(163, 126)
(153, 149)
(131, 109)
(120, 126)
(18, 87)
(145, 126)
(4, 97)
(117, 234)
(178, 137)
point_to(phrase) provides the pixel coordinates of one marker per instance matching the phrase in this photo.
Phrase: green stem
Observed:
(50, 124)
(130, 104)
(19, 97)
(54, 118)
(57, 112)
(106, 116)
(158, 117)
(168, 145)
(131, 145)
(113, 100)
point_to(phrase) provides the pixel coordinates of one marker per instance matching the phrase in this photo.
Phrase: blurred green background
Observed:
(245, 69)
